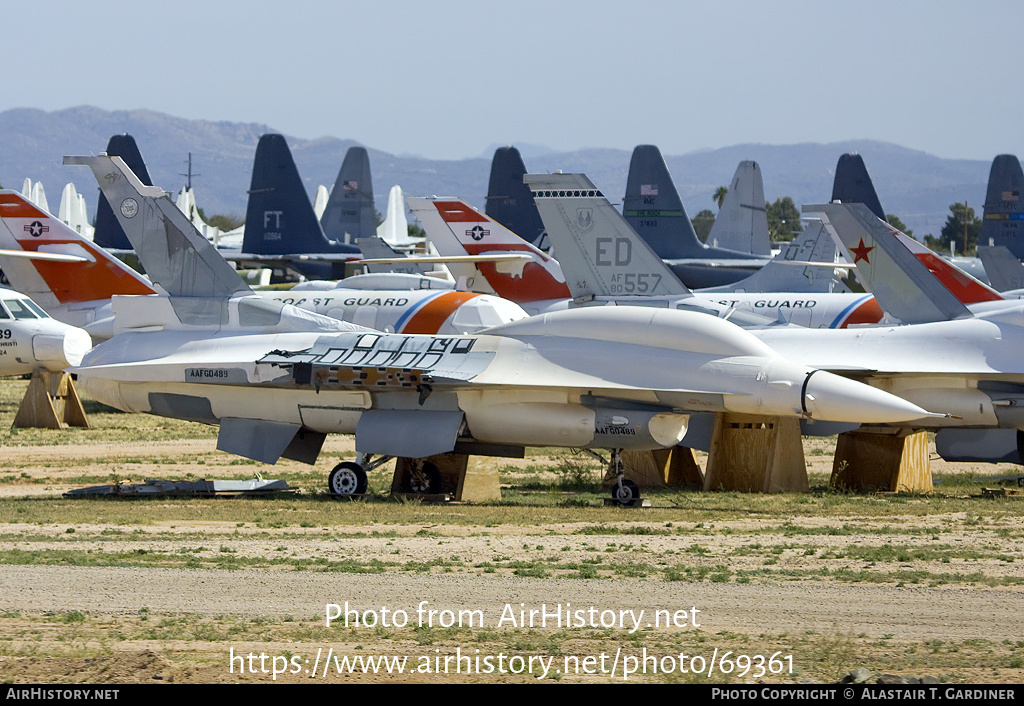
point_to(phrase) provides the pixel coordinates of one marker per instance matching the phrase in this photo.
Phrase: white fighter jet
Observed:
(277, 379)
(958, 355)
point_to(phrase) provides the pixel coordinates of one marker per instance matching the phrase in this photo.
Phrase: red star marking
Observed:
(861, 252)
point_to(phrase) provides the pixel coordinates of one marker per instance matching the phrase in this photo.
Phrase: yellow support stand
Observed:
(879, 461)
(475, 483)
(51, 402)
(663, 467)
(756, 454)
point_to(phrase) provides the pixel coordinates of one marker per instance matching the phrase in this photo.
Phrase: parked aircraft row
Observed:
(622, 377)
(480, 396)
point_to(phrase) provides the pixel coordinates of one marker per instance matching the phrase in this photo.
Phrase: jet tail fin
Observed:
(852, 184)
(108, 233)
(1004, 210)
(742, 222)
(175, 255)
(279, 219)
(95, 275)
(1002, 268)
(350, 213)
(600, 254)
(653, 209)
(784, 273)
(457, 229)
(509, 201)
(902, 284)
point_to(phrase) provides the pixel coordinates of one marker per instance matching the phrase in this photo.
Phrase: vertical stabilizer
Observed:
(654, 210)
(457, 229)
(599, 253)
(175, 255)
(109, 233)
(1004, 211)
(350, 213)
(395, 227)
(1004, 271)
(742, 222)
(852, 184)
(279, 219)
(902, 283)
(814, 244)
(509, 201)
(96, 276)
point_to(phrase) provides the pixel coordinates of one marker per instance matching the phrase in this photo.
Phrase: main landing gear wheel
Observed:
(625, 492)
(422, 479)
(347, 480)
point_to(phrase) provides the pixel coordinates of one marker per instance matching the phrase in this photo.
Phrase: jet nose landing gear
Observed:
(347, 480)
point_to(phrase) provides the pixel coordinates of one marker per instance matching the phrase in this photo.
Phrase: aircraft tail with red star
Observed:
(902, 280)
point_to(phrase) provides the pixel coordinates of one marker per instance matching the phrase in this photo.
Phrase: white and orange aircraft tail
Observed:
(76, 286)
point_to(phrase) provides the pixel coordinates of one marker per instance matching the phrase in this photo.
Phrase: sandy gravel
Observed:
(910, 613)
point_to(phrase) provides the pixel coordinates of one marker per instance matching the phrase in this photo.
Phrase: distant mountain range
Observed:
(916, 186)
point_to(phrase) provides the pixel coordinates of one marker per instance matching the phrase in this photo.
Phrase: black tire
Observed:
(347, 480)
(626, 492)
(425, 480)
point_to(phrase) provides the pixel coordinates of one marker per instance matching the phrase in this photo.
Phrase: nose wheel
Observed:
(624, 492)
(347, 480)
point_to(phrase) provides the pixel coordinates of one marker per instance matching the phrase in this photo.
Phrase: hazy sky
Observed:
(448, 79)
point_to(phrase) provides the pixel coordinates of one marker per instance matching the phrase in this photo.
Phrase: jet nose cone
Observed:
(832, 398)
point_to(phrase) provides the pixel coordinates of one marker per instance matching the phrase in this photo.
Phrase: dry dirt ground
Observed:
(912, 585)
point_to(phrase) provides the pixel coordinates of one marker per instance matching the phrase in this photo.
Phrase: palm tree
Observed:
(719, 196)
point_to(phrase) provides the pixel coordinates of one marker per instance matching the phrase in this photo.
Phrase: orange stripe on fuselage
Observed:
(432, 315)
(867, 313)
(73, 282)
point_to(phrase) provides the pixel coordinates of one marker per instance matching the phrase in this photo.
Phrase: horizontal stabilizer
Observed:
(267, 441)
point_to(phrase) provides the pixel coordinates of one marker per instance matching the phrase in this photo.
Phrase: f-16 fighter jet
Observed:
(278, 380)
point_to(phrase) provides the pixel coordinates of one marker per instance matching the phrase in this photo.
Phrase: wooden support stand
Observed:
(474, 482)
(879, 461)
(756, 455)
(51, 402)
(663, 467)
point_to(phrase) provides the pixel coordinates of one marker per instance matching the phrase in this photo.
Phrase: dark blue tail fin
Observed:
(350, 212)
(280, 219)
(653, 208)
(852, 184)
(109, 233)
(1004, 210)
(509, 200)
